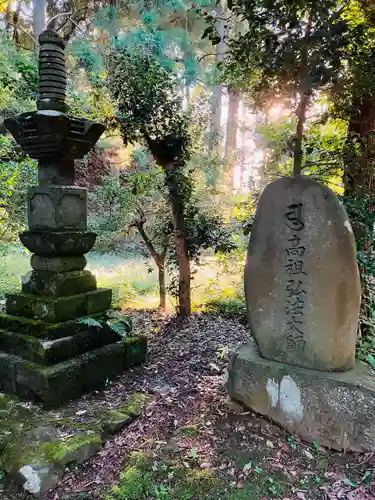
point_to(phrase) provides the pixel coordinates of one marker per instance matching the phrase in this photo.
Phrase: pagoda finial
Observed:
(52, 72)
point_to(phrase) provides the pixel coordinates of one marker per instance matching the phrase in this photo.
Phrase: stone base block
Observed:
(58, 264)
(47, 351)
(41, 329)
(57, 384)
(48, 283)
(335, 409)
(54, 310)
(59, 244)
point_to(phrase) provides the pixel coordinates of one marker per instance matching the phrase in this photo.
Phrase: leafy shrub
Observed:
(227, 308)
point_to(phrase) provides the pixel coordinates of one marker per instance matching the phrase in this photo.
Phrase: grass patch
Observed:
(142, 479)
(134, 280)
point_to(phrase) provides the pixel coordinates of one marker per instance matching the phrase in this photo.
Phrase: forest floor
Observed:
(191, 442)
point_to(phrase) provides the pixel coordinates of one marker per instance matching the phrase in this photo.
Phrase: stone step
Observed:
(43, 330)
(47, 352)
(57, 384)
(57, 309)
(57, 284)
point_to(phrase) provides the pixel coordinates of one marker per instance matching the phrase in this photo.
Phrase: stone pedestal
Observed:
(336, 409)
(46, 353)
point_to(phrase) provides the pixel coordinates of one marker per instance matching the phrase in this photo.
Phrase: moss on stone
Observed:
(76, 449)
(134, 405)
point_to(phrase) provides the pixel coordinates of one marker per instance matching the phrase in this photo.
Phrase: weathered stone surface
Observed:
(55, 310)
(301, 280)
(48, 283)
(97, 302)
(335, 409)
(40, 329)
(57, 208)
(58, 264)
(48, 352)
(37, 459)
(113, 421)
(58, 243)
(55, 385)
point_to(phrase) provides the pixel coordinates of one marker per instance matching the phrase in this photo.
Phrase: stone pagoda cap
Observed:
(50, 132)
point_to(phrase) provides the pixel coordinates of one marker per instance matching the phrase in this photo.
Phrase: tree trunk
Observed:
(162, 289)
(159, 260)
(216, 100)
(301, 120)
(8, 19)
(359, 166)
(16, 18)
(304, 96)
(232, 126)
(359, 182)
(39, 17)
(178, 219)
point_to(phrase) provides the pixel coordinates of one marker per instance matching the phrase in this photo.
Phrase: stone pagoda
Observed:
(47, 353)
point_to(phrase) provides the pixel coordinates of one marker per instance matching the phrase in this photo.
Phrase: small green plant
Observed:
(304, 484)
(122, 325)
(162, 491)
(292, 441)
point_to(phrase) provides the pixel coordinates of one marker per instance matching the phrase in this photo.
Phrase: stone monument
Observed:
(303, 296)
(46, 353)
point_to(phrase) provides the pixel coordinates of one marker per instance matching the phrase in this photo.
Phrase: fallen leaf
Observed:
(206, 465)
(240, 484)
(308, 454)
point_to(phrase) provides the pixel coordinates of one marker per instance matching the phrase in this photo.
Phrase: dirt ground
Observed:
(190, 425)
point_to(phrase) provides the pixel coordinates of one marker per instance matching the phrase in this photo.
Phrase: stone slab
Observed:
(335, 409)
(301, 279)
(57, 208)
(59, 383)
(60, 244)
(58, 264)
(55, 310)
(48, 352)
(51, 284)
(41, 329)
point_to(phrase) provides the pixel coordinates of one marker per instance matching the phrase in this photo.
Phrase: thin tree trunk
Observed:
(304, 96)
(301, 120)
(39, 17)
(178, 219)
(232, 126)
(216, 100)
(162, 289)
(159, 259)
(8, 19)
(16, 18)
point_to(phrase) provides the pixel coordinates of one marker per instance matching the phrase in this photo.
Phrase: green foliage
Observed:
(227, 308)
(17, 173)
(14, 262)
(18, 79)
(287, 47)
(149, 104)
(122, 325)
(361, 211)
